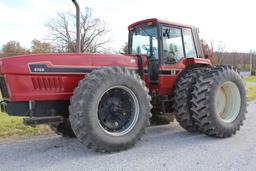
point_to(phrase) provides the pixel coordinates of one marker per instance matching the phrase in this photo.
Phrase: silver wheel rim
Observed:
(135, 113)
(228, 102)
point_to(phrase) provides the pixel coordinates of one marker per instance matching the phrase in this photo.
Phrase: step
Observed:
(43, 120)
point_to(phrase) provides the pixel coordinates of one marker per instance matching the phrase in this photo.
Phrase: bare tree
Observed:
(124, 48)
(93, 32)
(220, 49)
(208, 51)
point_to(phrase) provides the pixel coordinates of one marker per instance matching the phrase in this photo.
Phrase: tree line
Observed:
(240, 60)
(14, 48)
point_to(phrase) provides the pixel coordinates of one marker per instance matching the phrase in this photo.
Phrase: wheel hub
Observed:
(228, 102)
(118, 110)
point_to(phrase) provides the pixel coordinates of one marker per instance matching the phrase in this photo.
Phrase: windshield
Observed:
(144, 41)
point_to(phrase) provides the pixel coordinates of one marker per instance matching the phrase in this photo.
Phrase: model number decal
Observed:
(43, 68)
(39, 69)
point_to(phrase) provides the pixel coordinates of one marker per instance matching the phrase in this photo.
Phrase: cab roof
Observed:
(156, 20)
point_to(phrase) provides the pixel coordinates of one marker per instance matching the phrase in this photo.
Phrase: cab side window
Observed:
(172, 45)
(189, 43)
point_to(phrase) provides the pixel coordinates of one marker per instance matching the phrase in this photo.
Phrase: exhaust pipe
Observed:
(78, 41)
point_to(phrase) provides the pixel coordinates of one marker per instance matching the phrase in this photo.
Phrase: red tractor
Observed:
(106, 101)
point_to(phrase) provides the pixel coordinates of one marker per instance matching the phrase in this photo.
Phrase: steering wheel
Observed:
(146, 47)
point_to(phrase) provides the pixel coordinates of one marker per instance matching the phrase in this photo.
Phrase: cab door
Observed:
(177, 44)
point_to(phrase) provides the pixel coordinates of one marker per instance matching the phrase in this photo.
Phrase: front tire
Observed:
(219, 102)
(110, 109)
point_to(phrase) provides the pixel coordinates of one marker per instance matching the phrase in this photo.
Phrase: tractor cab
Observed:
(164, 44)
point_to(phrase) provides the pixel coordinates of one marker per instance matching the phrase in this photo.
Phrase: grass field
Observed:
(251, 92)
(250, 79)
(14, 127)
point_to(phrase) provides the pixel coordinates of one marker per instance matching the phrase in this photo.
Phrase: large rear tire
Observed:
(110, 109)
(219, 102)
(182, 96)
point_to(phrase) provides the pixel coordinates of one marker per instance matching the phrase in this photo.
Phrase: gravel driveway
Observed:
(163, 148)
(251, 83)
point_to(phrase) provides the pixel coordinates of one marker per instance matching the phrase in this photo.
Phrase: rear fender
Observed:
(193, 61)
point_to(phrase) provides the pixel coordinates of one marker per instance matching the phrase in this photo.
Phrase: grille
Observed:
(54, 84)
(3, 87)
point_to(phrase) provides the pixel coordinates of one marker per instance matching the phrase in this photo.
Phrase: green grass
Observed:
(250, 79)
(13, 127)
(251, 92)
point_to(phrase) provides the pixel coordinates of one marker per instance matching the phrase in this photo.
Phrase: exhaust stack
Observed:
(78, 42)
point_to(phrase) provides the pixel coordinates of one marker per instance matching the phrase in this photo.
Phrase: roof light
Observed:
(150, 23)
(131, 29)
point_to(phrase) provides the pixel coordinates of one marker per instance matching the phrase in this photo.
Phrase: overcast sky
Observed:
(230, 21)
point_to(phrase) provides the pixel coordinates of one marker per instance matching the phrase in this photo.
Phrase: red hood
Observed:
(20, 64)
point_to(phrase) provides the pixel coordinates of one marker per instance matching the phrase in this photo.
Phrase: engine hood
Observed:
(63, 63)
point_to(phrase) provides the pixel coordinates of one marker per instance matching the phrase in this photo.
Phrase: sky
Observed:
(231, 22)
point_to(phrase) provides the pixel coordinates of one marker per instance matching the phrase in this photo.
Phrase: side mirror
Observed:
(167, 33)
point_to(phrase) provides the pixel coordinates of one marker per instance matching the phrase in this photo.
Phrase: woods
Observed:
(241, 60)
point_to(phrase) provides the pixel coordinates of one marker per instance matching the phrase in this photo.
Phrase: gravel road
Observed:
(251, 83)
(162, 148)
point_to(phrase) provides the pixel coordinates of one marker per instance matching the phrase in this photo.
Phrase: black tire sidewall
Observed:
(91, 110)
